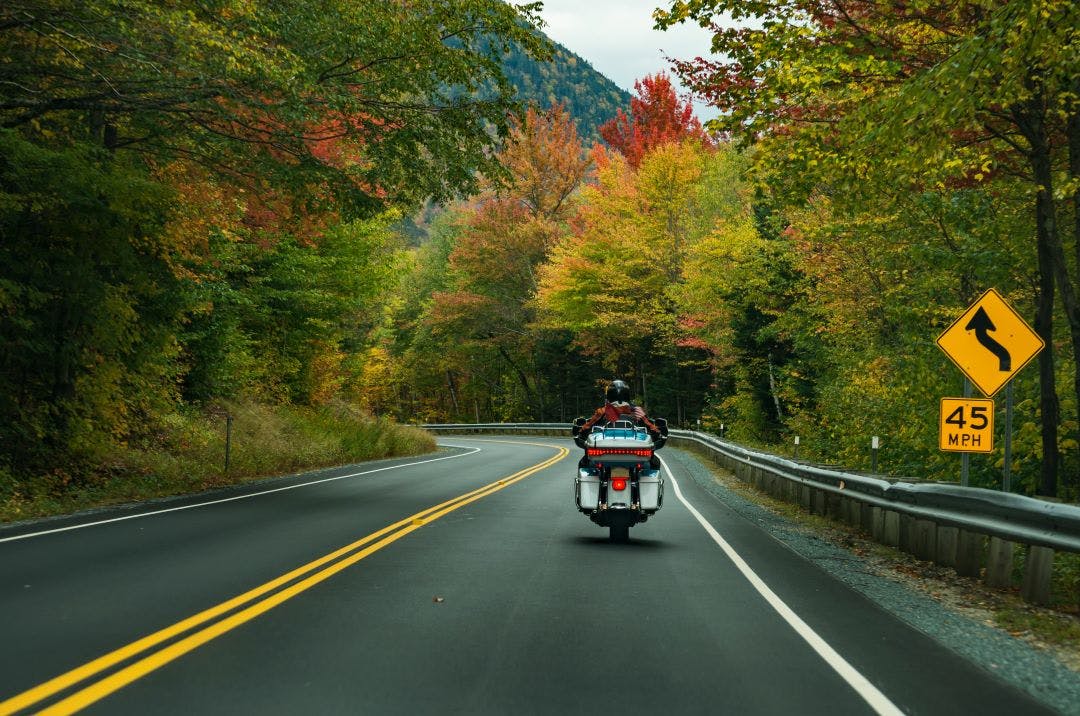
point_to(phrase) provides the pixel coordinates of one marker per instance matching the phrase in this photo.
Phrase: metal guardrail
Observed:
(1014, 518)
(1010, 517)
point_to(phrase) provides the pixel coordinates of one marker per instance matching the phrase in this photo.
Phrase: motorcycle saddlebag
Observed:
(651, 490)
(587, 490)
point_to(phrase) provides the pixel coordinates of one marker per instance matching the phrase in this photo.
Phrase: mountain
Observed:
(590, 97)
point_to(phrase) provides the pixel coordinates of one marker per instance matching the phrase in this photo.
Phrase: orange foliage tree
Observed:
(503, 241)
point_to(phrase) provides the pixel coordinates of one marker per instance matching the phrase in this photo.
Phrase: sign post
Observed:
(989, 343)
(1007, 472)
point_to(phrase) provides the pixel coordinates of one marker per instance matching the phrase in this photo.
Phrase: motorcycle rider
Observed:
(618, 407)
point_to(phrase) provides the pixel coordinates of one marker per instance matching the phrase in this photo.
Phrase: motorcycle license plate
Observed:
(620, 472)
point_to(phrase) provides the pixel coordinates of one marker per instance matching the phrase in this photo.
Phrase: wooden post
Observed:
(228, 441)
(947, 540)
(833, 506)
(925, 542)
(907, 533)
(999, 563)
(969, 548)
(891, 528)
(877, 522)
(1037, 570)
(867, 522)
(854, 510)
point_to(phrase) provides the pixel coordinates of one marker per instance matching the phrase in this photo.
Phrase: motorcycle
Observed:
(618, 482)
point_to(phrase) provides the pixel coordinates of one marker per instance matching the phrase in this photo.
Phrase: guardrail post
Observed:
(877, 523)
(1037, 569)
(805, 498)
(947, 539)
(819, 502)
(907, 533)
(867, 523)
(854, 512)
(969, 549)
(926, 539)
(845, 509)
(833, 505)
(891, 528)
(999, 563)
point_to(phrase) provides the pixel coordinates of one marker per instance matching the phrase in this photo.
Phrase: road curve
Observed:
(463, 582)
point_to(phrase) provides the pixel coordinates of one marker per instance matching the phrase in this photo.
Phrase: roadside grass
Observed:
(1055, 627)
(186, 453)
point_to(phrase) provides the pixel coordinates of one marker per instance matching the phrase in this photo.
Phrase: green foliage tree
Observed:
(86, 304)
(194, 196)
(860, 105)
(364, 98)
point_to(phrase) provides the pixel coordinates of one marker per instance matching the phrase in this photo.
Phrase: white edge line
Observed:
(862, 686)
(473, 450)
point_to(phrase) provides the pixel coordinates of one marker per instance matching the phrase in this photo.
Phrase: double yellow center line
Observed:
(258, 601)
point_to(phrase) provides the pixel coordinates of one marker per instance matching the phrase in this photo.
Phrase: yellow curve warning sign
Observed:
(990, 342)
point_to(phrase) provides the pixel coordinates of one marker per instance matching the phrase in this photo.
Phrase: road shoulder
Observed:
(954, 612)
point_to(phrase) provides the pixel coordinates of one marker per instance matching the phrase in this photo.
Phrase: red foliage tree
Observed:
(657, 116)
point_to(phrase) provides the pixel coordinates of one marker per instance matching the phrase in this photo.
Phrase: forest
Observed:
(201, 212)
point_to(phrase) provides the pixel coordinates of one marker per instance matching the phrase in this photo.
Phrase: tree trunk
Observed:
(1053, 268)
(541, 394)
(522, 378)
(1073, 131)
(453, 393)
(1048, 400)
(773, 393)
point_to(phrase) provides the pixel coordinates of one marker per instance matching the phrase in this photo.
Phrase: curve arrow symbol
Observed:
(982, 325)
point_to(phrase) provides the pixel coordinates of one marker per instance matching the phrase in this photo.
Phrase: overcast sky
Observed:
(617, 38)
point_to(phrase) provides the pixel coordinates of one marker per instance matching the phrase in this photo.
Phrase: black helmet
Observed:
(618, 392)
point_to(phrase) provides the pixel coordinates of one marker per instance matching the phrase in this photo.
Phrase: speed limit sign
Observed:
(967, 425)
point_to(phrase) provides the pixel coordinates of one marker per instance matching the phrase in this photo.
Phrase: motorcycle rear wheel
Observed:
(619, 533)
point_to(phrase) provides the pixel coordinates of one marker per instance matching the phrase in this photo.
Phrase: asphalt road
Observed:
(344, 592)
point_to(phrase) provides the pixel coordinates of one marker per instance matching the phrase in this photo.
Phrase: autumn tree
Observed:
(500, 244)
(609, 282)
(657, 116)
(853, 102)
(211, 185)
(245, 87)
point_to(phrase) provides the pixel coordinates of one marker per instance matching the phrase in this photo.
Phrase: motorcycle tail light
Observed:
(618, 484)
(639, 452)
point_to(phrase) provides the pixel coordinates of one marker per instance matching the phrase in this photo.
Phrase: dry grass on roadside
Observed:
(186, 453)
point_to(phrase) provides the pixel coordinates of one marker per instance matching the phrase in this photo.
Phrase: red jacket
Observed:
(613, 411)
